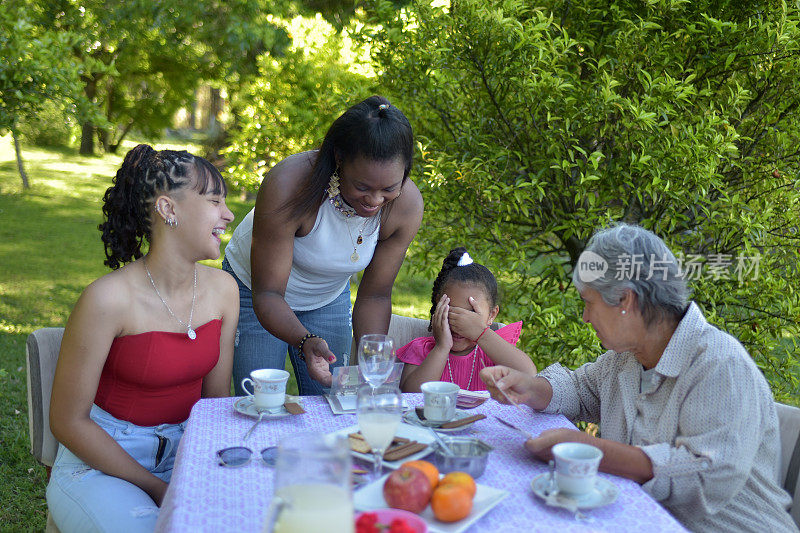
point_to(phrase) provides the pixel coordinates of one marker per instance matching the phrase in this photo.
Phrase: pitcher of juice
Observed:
(312, 490)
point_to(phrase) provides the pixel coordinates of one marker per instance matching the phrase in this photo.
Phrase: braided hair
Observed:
(128, 203)
(474, 273)
(373, 129)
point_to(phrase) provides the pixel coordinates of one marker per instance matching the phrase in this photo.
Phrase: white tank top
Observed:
(322, 261)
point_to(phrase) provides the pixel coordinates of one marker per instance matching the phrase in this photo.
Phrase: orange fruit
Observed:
(451, 503)
(430, 471)
(460, 479)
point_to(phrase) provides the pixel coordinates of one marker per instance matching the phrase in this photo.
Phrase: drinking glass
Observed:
(376, 358)
(312, 485)
(379, 413)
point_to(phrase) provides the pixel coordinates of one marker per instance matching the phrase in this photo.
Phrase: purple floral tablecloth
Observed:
(204, 497)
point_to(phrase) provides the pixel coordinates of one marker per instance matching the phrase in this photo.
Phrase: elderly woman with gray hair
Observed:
(682, 408)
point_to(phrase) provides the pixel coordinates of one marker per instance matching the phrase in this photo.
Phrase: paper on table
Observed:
(348, 402)
(344, 388)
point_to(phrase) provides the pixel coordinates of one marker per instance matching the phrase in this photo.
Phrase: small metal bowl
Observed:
(469, 455)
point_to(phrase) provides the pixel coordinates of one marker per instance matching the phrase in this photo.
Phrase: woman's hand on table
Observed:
(541, 447)
(318, 360)
(619, 459)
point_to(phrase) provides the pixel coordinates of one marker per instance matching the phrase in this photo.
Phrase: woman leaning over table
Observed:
(682, 408)
(321, 216)
(142, 344)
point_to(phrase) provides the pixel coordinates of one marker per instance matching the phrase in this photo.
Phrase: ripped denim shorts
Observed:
(81, 498)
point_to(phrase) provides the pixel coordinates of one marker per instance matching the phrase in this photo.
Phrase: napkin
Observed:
(294, 408)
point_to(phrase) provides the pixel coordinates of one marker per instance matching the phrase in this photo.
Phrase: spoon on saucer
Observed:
(261, 412)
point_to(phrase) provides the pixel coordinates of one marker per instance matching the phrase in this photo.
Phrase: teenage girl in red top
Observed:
(143, 343)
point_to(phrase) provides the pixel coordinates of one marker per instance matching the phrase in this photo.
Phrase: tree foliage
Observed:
(290, 105)
(142, 60)
(541, 122)
(32, 70)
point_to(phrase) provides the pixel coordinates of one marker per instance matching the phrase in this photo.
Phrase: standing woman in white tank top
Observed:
(321, 216)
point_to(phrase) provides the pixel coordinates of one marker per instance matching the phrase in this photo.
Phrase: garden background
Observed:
(535, 125)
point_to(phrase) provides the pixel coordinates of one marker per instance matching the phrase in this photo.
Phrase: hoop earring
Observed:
(333, 184)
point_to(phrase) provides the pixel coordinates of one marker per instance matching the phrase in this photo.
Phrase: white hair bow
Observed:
(465, 260)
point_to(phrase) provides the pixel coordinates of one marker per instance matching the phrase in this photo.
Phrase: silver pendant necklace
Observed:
(471, 372)
(189, 331)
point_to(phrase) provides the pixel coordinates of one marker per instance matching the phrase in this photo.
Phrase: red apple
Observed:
(408, 489)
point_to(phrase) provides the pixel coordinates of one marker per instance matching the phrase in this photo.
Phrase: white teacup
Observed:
(269, 387)
(576, 467)
(440, 400)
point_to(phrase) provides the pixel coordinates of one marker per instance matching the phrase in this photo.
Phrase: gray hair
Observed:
(638, 261)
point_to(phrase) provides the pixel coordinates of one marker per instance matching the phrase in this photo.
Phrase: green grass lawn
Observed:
(50, 249)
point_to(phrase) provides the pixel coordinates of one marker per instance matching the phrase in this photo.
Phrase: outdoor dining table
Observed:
(205, 497)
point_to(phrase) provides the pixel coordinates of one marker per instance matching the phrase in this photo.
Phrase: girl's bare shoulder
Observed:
(218, 279)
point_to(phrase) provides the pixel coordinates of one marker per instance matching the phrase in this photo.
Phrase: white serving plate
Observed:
(370, 497)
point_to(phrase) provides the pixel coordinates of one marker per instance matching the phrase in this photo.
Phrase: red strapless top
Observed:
(156, 377)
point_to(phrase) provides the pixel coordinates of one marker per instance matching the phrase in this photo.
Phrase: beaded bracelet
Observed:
(303, 341)
(482, 332)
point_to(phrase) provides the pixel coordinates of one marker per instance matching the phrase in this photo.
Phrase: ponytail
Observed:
(128, 203)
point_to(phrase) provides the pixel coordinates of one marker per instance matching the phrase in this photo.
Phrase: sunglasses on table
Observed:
(241, 455)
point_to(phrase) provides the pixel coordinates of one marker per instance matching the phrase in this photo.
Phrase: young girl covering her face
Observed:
(464, 307)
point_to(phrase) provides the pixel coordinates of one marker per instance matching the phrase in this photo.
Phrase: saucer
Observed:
(603, 493)
(411, 418)
(247, 408)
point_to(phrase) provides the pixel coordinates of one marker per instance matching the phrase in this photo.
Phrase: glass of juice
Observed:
(379, 411)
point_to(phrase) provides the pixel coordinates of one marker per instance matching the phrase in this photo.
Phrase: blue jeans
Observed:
(256, 348)
(83, 499)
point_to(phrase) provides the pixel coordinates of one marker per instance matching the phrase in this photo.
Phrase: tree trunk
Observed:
(215, 107)
(87, 128)
(20, 167)
(193, 113)
(103, 137)
(87, 139)
(112, 148)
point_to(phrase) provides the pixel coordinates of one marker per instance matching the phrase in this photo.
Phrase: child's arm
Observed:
(500, 351)
(429, 370)
(432, 367)
(504, 353)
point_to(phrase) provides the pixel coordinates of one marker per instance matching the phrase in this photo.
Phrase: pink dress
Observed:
(460, 369)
